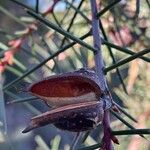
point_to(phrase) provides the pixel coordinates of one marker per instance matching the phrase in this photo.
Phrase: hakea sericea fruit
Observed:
(76, 99)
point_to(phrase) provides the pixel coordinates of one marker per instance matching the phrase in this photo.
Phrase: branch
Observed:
(99, 68)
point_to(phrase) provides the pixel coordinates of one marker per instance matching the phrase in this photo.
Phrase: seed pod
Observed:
(69, 88)
(75, 98)
(77, 117)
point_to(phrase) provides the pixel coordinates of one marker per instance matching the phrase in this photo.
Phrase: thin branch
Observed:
(75, 141)
(68, 41)
(126, 60)
(29, 106)
(131, 132)
(60, 30)
(55, 18)
(21, 100)
(137, 8)
(43, 62)
(77, 10)
(124, 121)
(111, 5)
(66, 14)
(113, 59)
(37, 6)
(124, 50)
(72, 21)
(85, 136)
(126, 113)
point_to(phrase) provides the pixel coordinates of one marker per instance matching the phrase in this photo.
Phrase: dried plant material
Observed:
(76, 99)
(132, 75)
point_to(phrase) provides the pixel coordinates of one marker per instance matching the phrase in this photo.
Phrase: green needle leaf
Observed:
(130, 132)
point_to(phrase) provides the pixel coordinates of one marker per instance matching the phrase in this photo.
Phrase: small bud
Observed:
(115, 140)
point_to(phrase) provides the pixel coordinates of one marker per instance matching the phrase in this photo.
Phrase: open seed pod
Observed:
(68, 88)
(77, 117)
(75, 98)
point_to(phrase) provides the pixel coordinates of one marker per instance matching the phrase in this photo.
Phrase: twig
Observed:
(137, 8)
(72, 21)
(131, 132)
(43, 62)
(127, 60)
(124, 50)
(75, 141)
(60, 30)
(107, 8)
(113, 58)
(37, 6)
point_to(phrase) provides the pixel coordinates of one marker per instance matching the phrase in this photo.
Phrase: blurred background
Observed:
(127, 29)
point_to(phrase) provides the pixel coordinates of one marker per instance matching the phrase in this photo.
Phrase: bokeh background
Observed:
(126, 25)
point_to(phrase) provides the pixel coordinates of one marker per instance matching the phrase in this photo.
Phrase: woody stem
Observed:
(99, 69)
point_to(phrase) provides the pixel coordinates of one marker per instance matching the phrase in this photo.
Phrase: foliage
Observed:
(37, 42)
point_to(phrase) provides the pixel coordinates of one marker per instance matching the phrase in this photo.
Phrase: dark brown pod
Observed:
(77, 117)
(68, 88)
(76, 99)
